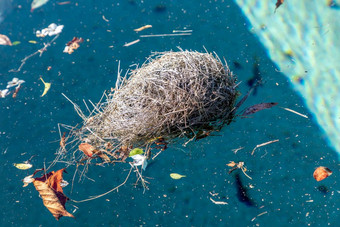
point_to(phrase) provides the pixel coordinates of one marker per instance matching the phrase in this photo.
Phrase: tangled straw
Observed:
(173, 94)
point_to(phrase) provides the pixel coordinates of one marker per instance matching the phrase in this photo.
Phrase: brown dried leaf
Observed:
(52, 194)
(4, 40)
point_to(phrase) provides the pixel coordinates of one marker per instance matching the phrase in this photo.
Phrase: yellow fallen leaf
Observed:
(47, 87)
(23, 166)
(176, 176)
(33, 41)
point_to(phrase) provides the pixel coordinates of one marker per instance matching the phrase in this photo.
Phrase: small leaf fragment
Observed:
(16, 43)
(176, 176)
(136, 151)
(47, 87)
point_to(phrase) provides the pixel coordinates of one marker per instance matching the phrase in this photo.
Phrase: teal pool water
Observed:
(282, 190)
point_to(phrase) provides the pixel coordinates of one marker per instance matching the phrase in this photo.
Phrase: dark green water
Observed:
(282, 190)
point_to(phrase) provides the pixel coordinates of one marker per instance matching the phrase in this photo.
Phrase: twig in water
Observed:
(162, 35)
(238, 165)
(218, 202)
(293, 111)
(101, 195)
(131, 43)
(40, 52)
(237, 149)
(263, 144)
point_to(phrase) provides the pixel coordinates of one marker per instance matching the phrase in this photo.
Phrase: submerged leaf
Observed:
(51, 192)
(47, 87)
(136, 151)
(255, 108)
(176, 176)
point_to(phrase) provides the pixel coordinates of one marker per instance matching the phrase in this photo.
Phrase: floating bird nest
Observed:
(172, 95)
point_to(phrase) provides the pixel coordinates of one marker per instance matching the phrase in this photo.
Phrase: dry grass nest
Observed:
(172, 95)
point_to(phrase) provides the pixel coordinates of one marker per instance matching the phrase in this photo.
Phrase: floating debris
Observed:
(4, 40)
(15, 93)
(176, 176)
(131, 43)
(263, 144)
(238, 165)
(63, 3)
(37, 3)
(51, 30)
(4, 93)
(63, 183)
(295, 112)
(27, 180)
(47, 87)
(104, 18)
(14, 82)
(181, 31)
(143, 28)
(140, 160)
(321, 173)
(73, 45)
(163, 35)
(218, 202)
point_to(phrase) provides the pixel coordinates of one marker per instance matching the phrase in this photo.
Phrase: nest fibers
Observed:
(173, 94)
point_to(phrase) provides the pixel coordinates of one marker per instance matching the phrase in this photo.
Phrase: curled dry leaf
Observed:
(321, 173)
(52, 194)
(4, 40)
